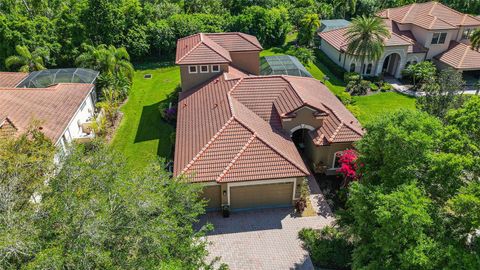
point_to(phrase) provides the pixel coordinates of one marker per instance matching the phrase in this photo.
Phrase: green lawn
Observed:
(142, 134)
(379, 104)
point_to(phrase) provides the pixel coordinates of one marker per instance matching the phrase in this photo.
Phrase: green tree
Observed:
(105, 59)
(366, 38)
(25, 164)
(104, 21)
(475, 39)
(26, 61)
(96, 215)
(308, 28)
(304, 55)
(391, 228)
(270, 26)
(441, 95)
(420, 73)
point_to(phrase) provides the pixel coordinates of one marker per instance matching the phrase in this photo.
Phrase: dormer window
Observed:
(439, 38)
(203, 69)
(215, 68)
(192, 69)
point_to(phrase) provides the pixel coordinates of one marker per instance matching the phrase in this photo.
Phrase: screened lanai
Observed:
(282, 65)
(47, 77)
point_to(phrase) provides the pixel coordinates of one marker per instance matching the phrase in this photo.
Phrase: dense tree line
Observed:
(93, 214)
(151, 27)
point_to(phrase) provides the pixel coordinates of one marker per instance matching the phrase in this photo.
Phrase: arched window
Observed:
(336, 158)
(352, 67)
(369, 69)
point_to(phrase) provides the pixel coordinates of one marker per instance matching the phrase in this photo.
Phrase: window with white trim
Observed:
(439, 38)
(336, 159)
(352, 67)
(203, 69)
(215, 68)
(192, 69)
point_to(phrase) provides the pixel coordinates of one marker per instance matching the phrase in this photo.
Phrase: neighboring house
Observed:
(63, 110)
(420, 31)
(237, 132)
(329, 25)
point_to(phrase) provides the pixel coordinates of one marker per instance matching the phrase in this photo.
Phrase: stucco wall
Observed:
(323, 155)
(190, 80)
(247, 61)
(303, 116)
(331, 52)
(74, 129)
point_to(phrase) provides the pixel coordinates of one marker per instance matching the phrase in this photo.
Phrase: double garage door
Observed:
(251, 196)
(258, 196)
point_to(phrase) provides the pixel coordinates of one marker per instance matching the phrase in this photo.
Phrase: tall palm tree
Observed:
(365, 38)
(475, 39)
(106, 59)
(28, 61)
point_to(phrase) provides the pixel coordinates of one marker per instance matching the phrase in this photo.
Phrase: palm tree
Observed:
(106, 59)
(475, 39)
(365, 39)
(28, 61)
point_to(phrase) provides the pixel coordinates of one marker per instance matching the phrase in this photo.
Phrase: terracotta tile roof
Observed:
(230, 129)
(430, 15)
(53, 106)
(11, 79)
(213, 48)
(338, 39)
(460, 56)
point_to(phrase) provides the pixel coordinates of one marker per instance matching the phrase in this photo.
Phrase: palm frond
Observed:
(15, 60)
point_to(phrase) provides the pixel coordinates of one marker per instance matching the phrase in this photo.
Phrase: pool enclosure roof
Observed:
(47, 77)
(282, 65)
(327, 25)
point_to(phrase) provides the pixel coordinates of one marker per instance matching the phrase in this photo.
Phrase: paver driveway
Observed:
(263, 239)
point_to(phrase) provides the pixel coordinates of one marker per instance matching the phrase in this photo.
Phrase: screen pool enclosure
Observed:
(48, 77)
(282, 65)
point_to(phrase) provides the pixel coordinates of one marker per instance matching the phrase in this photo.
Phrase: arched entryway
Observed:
(299, 137)
(391, 64)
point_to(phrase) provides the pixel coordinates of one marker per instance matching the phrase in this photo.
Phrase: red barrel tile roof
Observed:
(430, 15)
(229, 129)
(213, 48)
(11, 79)
(54, 106)
(460, 56)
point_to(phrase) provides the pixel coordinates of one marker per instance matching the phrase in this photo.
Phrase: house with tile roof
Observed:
(62, 110)
(419, 32)
(251, 139)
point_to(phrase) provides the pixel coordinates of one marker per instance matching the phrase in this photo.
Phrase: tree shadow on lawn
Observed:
(153, 64)
(153, 127)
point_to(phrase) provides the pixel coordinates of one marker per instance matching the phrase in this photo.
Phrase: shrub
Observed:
(373, 87)
(351, 76)
(386, 87)
(168, 113)
(358, 88)
(328, 247)
(345, 98)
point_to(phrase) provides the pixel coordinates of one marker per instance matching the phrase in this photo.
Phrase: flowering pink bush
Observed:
(348, 166)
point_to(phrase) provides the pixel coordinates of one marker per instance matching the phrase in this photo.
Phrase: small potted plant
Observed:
(226, 210)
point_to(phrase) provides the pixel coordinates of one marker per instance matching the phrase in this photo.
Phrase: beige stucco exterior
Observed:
(191, 80)
(304, 118)
(248, 61)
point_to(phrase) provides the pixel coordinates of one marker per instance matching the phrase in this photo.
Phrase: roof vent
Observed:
(184, 105)
(216, 81)
(351, 122)
(215, 105)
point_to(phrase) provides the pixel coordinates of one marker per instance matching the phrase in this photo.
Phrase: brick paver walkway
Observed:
(263, 239)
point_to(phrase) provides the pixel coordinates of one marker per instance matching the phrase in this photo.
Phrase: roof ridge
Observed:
(207, 145)
(232, 162)
(242, 36)
(336, 131)
(408, 12)
(464, 54)
(354, 129)
(190, 51)
(209, 40)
